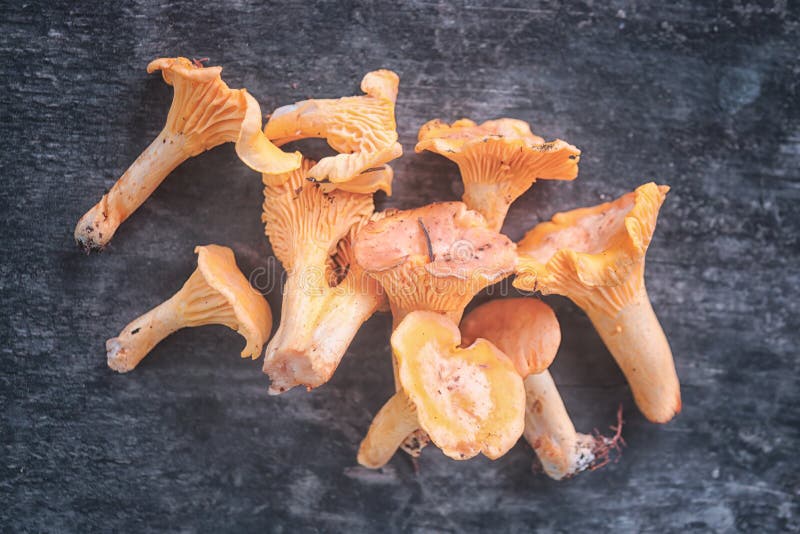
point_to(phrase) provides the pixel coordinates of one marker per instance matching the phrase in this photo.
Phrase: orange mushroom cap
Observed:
(498, 160)
(433, 258)
(361, 128)
(525, 329)
(587, 248)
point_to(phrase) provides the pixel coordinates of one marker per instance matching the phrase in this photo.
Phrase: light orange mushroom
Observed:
(527, 331)
(321, 312)
(361, 128)
(595, 256)
(204, 113)
(498, 160)
(468, 400)
(216, 293)
(433, 258)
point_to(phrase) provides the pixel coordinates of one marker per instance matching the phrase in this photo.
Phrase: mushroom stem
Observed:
(318, 323)
(195, 304)
(484, 198)
(96, 228)
(637, 342)
(549, 430)
(393, 423)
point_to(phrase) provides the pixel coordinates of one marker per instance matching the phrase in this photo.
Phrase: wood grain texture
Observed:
(701, 97)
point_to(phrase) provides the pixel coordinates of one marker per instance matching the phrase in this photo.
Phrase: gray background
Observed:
(703, 98)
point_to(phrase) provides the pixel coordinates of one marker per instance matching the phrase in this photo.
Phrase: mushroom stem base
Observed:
(549, 430)
(636, 340)
(96, 228)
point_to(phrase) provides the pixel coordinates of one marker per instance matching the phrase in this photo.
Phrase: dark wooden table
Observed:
(704, 99)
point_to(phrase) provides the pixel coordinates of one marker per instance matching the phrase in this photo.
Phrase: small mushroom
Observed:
(433, 258)
(216, 293)
(361, 128)
(204, 113)
(468, 400)
(527, 331)
(321, 312)
(595, 256)
(498, 160)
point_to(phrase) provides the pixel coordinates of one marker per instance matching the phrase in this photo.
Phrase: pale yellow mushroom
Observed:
(216, 293)
(361, 128)
(309, 226)
(468, 400)
(204, 113)
(596, 257)
(498, 160)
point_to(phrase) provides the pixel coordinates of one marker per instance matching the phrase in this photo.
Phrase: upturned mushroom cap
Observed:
(469, 400)
(208, 113)
(498, 160)
(597, 247)
(525, 329)
(596, 257)
(433, 258)
(361, 128)
(217, 264)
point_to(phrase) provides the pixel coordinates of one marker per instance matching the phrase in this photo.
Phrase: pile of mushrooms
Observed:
(468, 385)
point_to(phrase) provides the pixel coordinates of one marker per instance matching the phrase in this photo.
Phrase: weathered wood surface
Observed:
(703, 98)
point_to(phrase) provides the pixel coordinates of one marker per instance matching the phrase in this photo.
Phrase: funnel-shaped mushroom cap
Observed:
(324, 305)
(361, 128)
(592, 247)
(208, 113)
(303, 221)
(525, 329)
(204, 113)
(253, 316)
(216, 293)
(469, 400)
(498, 160)
(596, 257)
(433, 258)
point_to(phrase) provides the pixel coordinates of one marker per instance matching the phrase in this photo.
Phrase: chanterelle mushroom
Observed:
(216, 293)
(498, 160)
(468, 400)
(361, 128)
(321, 313)
(527, 331)
(204, 113)
(595, 256)
(433, 258)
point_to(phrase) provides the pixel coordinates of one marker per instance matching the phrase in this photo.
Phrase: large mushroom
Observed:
(326, 297)
(498, 160)
(468, 400)
(433, 258)
(361, 128)
(204, 113)
(595, 256)
(527, 331)
(216, 293)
